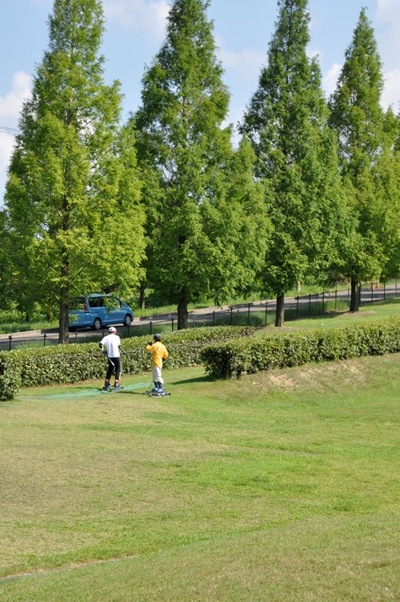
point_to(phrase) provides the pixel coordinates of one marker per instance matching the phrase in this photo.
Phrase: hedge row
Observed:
(77, 362)
(236, 357)
(226, 351)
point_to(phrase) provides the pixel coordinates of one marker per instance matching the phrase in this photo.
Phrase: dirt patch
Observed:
(317, 377)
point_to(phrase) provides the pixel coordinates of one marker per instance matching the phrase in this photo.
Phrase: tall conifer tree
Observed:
(365, 152)
(387, 197)
(74, 224)
(197, 204)
(286, 121)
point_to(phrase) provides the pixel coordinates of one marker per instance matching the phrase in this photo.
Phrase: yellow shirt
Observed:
(159, 352)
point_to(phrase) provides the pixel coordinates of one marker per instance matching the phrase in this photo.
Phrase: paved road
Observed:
(209, 316)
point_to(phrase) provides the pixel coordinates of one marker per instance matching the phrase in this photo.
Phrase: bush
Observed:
(77, 362)
(226, 351)
(234, 358)
(10, 375)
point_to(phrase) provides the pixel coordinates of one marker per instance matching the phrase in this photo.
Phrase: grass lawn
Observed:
(368, 312)
(281, 486)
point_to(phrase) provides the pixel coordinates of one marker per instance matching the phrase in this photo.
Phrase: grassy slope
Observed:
(371, 312)
(280, 486)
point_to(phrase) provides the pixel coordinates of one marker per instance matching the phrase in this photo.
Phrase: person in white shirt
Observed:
(110, 345)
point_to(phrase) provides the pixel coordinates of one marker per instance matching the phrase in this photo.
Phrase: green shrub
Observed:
(60, 364)
(10, 375)
(237, 357)
(227, 351)
(77, 362)
(184, 346)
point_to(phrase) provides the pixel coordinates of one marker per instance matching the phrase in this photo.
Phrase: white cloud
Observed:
(234, 117)
(388, 9)
(246, 63)
(388, 19)
(330, 79)
(140, 15)
(391, 91)
(314, 53)
(11, 103)
(10, 108)
(6, 146)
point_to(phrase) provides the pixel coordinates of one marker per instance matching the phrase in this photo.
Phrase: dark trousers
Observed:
(114, 365)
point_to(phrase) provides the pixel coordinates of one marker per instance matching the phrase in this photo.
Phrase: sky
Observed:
(135, 31)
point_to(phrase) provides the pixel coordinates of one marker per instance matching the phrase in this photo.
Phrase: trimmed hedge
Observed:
(10, 375)
(77, 362)
(226, 351)
(234, 358)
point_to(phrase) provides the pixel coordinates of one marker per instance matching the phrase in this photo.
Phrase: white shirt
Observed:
(112, 343)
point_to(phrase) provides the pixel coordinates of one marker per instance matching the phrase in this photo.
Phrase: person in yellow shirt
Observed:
(159, 355)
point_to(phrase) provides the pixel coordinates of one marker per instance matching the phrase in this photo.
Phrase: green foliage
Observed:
(198, 191)
(61, 363)
(72, 197)
(366, 138)
(10, 375)
(286, 122)
(243, 356)
(77, 362)
(355, 107)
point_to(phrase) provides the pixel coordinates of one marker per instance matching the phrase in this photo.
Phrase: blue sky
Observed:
(135, 29)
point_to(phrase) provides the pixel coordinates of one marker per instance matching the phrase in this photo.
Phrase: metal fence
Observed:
(259, 313)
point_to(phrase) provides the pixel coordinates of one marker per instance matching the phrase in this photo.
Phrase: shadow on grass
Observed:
(197, 379)
(290, 315)
(130, 392)
(327, 316)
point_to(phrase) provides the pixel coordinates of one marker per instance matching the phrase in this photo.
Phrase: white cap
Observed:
(112, 329)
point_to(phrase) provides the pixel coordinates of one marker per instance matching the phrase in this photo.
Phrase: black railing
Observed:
(259, 313)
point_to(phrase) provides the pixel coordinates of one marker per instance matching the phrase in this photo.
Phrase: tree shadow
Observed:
(197, 379)
(315, 317)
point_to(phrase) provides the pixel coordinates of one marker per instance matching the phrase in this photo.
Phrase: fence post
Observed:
(323, 302)
(213, 318)
(372, 292)
(9, 343)
(309, 305)
(172, 324)
(335, 299)
(384, 291)
(151, 326)
(231, 318)
(266, 313)
(44, 339)
(297, 306)
(248, 315)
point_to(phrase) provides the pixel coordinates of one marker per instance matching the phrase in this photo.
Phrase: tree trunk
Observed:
(63, 336)
(354, 295)
(142, 299)
(182, 311)
(63, 333)
(280, 310)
